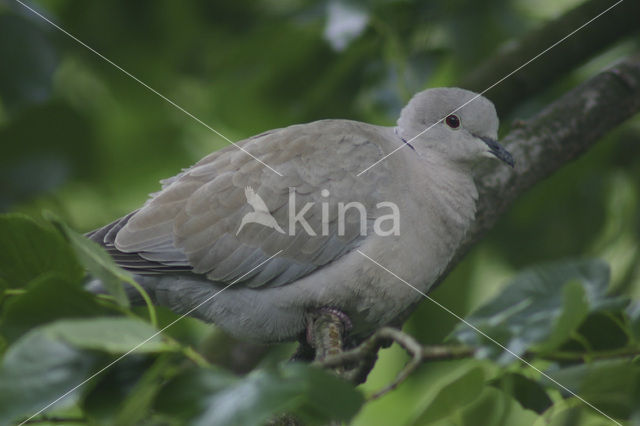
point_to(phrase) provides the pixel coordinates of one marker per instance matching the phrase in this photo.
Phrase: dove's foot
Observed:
(326, 329)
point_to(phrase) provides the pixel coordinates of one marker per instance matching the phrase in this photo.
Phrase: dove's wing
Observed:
(191, 223)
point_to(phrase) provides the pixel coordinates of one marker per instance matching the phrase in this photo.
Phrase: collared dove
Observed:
(409, 212)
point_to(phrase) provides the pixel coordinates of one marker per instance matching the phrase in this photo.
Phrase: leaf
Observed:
(36, 371)
(327, 397)
(454, 395)
(537, 308)
(634, 316)
(140, 399)
(605, 331)
(527, 392)
(610, 385)
(29, 250)
(115, 335)
(574, 310)
(48, 298)
(97, 261)
(186, 396)
(574, 412)
(214, 397)
(124, 393)
(495, 408)
(252, 400)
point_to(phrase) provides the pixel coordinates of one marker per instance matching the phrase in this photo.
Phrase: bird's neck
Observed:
(454, 196)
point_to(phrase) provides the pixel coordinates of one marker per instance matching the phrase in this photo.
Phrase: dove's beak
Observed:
(498, 150)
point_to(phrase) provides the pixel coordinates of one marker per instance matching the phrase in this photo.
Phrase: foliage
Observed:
(54, 358)
(79, 138)
(540, 309)
(97, 355)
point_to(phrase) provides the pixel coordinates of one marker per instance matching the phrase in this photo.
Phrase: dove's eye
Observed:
(452, 121)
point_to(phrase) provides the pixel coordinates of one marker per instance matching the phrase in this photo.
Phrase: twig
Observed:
(195, 357)
(358, 356)
(413, 348)
(418, 353)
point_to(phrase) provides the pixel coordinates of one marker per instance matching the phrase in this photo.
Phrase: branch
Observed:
(352, 361)
(618, 23)
(358, 358)
(558, 134)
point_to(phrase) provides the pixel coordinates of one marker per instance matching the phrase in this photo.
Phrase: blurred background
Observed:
(82, 139)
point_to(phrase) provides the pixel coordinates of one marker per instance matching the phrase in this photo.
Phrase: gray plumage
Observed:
(185, 243)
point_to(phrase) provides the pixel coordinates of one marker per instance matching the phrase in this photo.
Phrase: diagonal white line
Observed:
(458, 317)
(145, 85)
(495, 84)
(85, 381)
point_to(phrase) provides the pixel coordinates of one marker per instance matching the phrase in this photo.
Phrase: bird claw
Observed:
(326, 327)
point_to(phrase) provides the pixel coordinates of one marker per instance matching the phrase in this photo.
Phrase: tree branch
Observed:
(357, 358)
(558, 134)
(613, 26)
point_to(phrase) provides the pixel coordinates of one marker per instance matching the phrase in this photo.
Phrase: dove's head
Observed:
(463, 126)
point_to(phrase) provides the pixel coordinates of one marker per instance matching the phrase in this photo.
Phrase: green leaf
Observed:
(97, 261)
(114, 335)
(605, 331)
(536, 307)
(527, 392)
(123, 394)
(48, 298)
(327, 397)
(252, 400)
(574, 310)
(139, 401)
(36, 371)
(213, 397)
(495, 408)
(575, 412)
(186, 396)
(610, 385)
(29, 250)
(458, 392)
(633, 311)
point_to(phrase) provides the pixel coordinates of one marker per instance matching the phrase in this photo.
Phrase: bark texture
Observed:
(558, 134)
